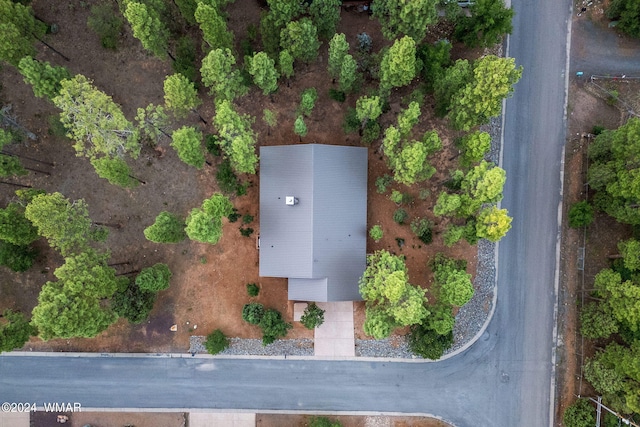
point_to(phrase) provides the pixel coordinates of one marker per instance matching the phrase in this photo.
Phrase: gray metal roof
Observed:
(319, 243)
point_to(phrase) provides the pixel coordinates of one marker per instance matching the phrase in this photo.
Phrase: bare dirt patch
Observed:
(111, 419)
(279, 420)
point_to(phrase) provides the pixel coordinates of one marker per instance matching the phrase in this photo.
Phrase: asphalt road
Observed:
(504, 380)
(600, 51)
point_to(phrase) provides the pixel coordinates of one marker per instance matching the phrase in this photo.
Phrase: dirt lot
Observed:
(111, 419)
(208, 284)
(150, 419)
(588, 107)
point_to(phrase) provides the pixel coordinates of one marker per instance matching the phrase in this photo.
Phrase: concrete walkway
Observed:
(335, 337)
(14, 419)
(226, 419)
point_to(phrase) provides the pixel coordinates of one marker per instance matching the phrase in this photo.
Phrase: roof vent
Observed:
(290, 200)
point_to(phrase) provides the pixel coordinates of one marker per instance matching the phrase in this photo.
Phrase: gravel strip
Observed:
(469, 320)
(253, 347)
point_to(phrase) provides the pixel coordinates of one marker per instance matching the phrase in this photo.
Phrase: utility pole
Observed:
(599, 407)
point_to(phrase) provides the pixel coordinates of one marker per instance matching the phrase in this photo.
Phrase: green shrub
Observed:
(422, 228)
(216, 342)
(17, 258)
(246, 232)
(104, 21)
(273, 326)
(376, 233)
(253, 290)
(227, 179)
(400, 198)
(15, 332)
(382, 182)
(400, 215)
(396, 196)
(597, 129)
(371, 132)
(351, 122)
(234, 216)
(453, 235)
(427, 343)
(323, 422)
(253, 313)
(133, 303)
(155, 278)
(579, 414)
(337, 95)
(308, 101)
(312, 317)
(580, 214)
(247, 219)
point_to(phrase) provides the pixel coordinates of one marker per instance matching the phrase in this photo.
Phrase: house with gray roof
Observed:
(313, 219)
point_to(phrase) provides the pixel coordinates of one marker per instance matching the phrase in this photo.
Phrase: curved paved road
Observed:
(503, 380)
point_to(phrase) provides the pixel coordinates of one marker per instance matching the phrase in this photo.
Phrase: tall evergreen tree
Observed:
(148, 27)
(43, 78)
(214, 27)
(94, 121)
(180, 95)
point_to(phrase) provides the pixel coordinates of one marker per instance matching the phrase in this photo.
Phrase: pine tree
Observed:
(94, 121)
(114, 170)
(180, 95)
(152, 121)
(214, 27)
(19, 29)
(481, 98)
(15, 228)
(300, 128)
(237, 138)
(398, 66)
(411, 18)
(348, 73)
(325, 15)
(66, 225)
(264, 72)
(148, 27)
(187, 141)
(167, 228)
(338, 49)
(270, 118)
(218, 75)
(300, 38)
(285, 62)
(43, 78)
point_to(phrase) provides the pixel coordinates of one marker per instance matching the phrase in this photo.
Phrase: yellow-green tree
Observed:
(493, 224)
(481, 98)
(391, 301)
(398, 66)
(411, 18)
(94, 121)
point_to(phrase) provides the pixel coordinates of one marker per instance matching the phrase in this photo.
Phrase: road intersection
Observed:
(503, 380)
